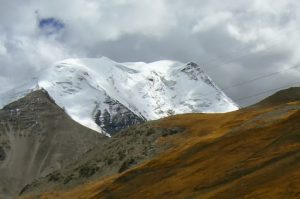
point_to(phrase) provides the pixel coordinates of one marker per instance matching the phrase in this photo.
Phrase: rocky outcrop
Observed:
(116, 117)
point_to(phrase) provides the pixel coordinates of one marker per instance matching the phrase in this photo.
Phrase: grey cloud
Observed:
(234, 41)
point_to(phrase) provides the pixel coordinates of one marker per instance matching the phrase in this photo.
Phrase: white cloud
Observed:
(3, 50)
(212, 21)
(93, 21)
(257, 36)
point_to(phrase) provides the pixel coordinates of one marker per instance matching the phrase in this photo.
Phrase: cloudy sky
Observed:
(234, 41)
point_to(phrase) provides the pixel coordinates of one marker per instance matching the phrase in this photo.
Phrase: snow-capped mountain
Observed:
(105, 95)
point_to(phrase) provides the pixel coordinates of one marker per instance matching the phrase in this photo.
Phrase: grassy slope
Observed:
(251, 153)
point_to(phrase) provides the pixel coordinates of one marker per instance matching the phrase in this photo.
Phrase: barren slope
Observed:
(37, 137)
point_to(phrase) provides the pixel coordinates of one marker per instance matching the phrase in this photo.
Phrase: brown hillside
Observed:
(284, 96)
(251, 153)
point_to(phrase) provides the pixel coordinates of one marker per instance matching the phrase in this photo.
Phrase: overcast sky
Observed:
(234, 41)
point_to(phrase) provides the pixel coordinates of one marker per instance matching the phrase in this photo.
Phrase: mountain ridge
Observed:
(145, 91)
(291, 94)
(36, 138)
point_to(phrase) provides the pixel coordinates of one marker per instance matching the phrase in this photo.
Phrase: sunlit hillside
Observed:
(250, 153)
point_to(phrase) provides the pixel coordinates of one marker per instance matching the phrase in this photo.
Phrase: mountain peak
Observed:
(192, 64)
(128, 92)
(38, 137)
(192, 69)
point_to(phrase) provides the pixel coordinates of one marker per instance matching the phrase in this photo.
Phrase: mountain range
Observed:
(95, 128)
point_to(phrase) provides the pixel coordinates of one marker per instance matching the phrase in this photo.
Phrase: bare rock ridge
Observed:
(36, 138)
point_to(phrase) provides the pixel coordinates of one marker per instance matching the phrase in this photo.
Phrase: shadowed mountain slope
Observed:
(250, 153)
(36, 138)
(284, 96)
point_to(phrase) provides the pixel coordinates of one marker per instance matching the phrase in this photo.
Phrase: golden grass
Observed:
(251, 153)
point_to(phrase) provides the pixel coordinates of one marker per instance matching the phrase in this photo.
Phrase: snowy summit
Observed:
(103, 94)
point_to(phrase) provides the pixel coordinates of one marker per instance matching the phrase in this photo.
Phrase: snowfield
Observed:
(149, 90)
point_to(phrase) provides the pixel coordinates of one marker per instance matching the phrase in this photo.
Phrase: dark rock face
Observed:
(195, 72)
(116, 117)
(2, 154)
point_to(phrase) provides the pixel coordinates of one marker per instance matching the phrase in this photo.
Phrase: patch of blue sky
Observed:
(51, 25)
